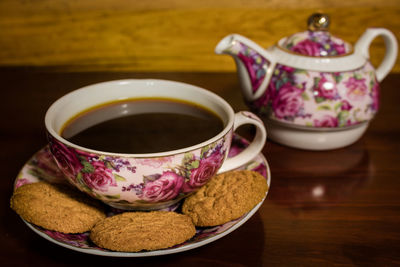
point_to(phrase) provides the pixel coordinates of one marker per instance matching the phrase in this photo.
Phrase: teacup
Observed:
(146, 181)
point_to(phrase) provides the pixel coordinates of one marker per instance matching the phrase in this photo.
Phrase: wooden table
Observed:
(334, 207)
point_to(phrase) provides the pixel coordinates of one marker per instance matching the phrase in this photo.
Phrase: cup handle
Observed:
(255, 147)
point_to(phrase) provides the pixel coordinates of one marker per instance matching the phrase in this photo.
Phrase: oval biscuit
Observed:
(226, 197)
(136, 231)
(56, 207)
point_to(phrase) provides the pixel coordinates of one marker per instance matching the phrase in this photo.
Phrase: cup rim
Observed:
(50, 116)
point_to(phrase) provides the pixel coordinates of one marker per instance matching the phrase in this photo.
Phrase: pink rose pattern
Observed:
(66, 159)
(287, 102)
(100, 178)
(290, 96)
(164, 188)
(46, 166)
(21, 182)
(307, 47)
(207, 167)
(84, 168)
(76, 240)
(326, 121)
(194, 172)
(316, 44)
(325, 88)
(375, 96)
(357, 88)
(96, 175)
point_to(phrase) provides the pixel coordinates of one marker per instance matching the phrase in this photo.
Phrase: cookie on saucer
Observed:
(56, 207)
(136, 231)
(226, 197)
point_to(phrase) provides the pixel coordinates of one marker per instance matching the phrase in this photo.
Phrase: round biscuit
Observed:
(56, 207)
(137, 231)
(226, 197)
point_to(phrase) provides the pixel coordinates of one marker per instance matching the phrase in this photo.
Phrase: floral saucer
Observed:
(42, 167)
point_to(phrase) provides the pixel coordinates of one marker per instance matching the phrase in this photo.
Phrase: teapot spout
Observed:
(254, 64)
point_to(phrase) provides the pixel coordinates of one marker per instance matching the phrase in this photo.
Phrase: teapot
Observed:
(312, 89)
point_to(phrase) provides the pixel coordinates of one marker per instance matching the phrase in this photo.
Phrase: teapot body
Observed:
(310, 98)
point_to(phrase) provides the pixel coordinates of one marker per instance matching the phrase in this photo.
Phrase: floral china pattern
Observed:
(311, 98)
(157, 179)
(42, 167)
(255, 64)
(319, 99)
(316, 44)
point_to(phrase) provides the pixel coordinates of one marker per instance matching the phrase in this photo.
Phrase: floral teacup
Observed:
(153, 180)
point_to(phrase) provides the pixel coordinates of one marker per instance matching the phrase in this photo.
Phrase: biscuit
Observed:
(226, 197)
(136, 231)
(56, 207)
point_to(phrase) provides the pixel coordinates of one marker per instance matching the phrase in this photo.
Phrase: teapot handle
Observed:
(362, 47)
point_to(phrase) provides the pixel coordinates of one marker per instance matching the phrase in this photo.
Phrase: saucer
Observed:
(42, 167)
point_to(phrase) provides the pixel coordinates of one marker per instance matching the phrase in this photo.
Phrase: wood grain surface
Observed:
(326, 208)
(171, 35)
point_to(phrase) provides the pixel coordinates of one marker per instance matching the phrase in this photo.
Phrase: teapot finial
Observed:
(318, 22)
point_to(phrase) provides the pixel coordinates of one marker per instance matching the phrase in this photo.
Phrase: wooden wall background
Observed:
(168, 35)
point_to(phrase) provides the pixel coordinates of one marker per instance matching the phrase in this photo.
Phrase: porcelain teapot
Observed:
(313, 90)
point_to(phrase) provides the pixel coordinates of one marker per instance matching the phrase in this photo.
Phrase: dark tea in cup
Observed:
(143, 125)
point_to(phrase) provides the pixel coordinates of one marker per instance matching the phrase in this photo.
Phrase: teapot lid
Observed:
(317, 41)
